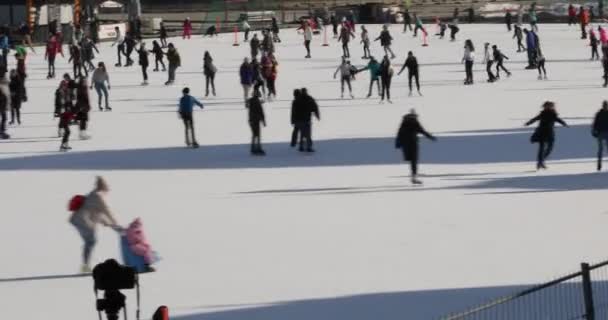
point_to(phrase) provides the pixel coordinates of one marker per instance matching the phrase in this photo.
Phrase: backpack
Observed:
(76, 203)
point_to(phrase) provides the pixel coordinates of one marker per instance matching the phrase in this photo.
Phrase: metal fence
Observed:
(580, 295)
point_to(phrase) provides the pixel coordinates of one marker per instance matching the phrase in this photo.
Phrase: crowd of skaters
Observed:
(258, 74)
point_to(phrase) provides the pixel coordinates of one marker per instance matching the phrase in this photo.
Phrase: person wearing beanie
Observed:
(93, 211)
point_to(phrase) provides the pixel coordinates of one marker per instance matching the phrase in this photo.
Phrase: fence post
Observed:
(587, 292)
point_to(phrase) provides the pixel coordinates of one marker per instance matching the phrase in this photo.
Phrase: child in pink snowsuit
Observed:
(138, 242)
(187, 29)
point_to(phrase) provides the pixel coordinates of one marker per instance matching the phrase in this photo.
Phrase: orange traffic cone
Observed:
(325, 43)
(236, 37)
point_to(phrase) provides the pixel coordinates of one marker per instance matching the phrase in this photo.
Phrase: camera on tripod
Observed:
(111, 277)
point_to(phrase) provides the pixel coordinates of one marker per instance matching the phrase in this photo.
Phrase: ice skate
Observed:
(541, 78)
(351, 96)
(195, 145)
(419, 93)
(546, 77)
(108, 108)
(415, 181)
(118, 65)
(389, 101)
(145, 83)
(409, 94)
(4, 136)
(65, 147)
(84, 136)
(85, 268)
(100, 109)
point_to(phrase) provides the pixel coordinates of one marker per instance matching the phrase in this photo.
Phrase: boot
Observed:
(415, 181)
(85, 268)
(83, 135)
(194, 144)
(108, 108)
(4, 136)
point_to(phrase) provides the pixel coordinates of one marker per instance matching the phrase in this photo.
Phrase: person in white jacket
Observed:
(93, 211)
(246, 28)
(5, 101)
(119, 40)
(307, 38)
(468, 59)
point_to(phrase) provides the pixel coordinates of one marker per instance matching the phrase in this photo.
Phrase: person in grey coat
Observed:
(93, 211)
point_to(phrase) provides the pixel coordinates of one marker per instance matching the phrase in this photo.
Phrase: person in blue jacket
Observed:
(186, 104)
(531, 46)
(4, 47)
(246, 75)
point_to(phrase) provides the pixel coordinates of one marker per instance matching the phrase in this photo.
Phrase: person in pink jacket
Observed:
(138, 243)
(603, 36)
(187, 28)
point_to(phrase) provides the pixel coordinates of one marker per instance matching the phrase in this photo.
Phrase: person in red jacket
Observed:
(52, 48)
(584, 21)
(187, 28)
(571, 15)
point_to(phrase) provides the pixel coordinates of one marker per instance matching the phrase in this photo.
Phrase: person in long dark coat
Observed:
(544, 134)
(599, 131)
(407, 141)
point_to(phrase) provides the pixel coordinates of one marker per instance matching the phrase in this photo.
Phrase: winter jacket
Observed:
(17, 90)
(87, 50)
(245, 25)
(365, 37)
(345, 35)
(531, 40)
(74, 55)
(208, 68)
(187, 26)
(468, 55)
(411, 63)
(344, 69)
(545, 129)
(94, 210)
(600, 123)
(174, 58)
(143, 57)
(5, 95)
(52, 47)
(593, 41)
(158, 51)
(499, 56)
(386, 71)
(256, 111)
(603, 36)
(82, 101)
(138, 243)
(487, 56)
(246, 74)
(254, 45)
(385, 38)
(407, 136)
(118, 39)
(186, 104)
(374, 69)
(4, 45)
(307, 34)
(100, 76)
(163, 32)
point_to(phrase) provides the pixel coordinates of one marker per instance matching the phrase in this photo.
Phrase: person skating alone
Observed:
(143, 62)
(158, 56)
(98, 81)
(88, 53)
(66, 118)
(532, 48)
(76, 59)
(52, 48)
(119, 42)
(365, 42)
(508, 19)
(174, 63)
(162, 36)
(246, 76)
(518, 33)
(186, 104)
(246, 29)
(411, 63)
(488, 59)
(93, 211)
(345, 36)
(599, 130)
(584, 21)
(270, 72)
(540, 62)
(407, 140)
(468, 59)
(187, 29)
(307, 38)
(209, 70)
(386, 76)
(499, 57)
(256, 118)
(17, 90)
(385, 41)
(594, 42)
(254, 45)
(544, 134)
(407, 21)
(345, 70)
(418, 25)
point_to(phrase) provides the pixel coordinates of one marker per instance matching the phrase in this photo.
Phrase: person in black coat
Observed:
(163, 35)
(143, 62)
(254, 44)
(303, 107)
(499, 58)
(407, 21)
(599, 130)
(256, 117)
(508, 19)
(295, 116)
(17, 89)
(544, 134)
(385, 41)
(158, 55)
(407, 141)
(411, 63)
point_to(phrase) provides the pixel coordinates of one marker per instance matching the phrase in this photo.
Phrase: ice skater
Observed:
(584, 21)
(186, 104)
(374, 75)
(52, 48)
(159, 55)
(518, 33)
(162, 35)
(532, 45)
(246, 29)
(76, 59)
(98, 81)
(274, 26)
(407, 140)
(346, 72)
(365, 42)
(386, 75)
(174, 62)
(256, 117)
(17, 91)
(270, 73)
(411, 63)
(5, 101)
(407, 21)
(488, 60)
(385, 41)
(209, 70)
(143, 62)
(499, 57)
(345, 35)
(540, 63)
(599, 130)
(544, 134)
(418, 25)
(66, 117)
(254, 46)
(594, 42)
(187, 29)
(307, 38)
(302, 109)
(83, 108)
(93, 211)
(454, 28)
(119, 42)
(88, 52)
(246, 76)
(508, 19)
(468, 59)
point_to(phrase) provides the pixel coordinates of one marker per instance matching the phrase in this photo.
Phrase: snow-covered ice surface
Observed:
(340, 234)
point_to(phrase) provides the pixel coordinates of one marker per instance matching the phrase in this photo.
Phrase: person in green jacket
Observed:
(174, 63)
(374, 71)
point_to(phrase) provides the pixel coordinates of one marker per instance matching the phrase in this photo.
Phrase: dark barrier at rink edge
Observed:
(580, 295)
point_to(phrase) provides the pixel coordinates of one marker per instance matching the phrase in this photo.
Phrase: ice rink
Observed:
(340, 234)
